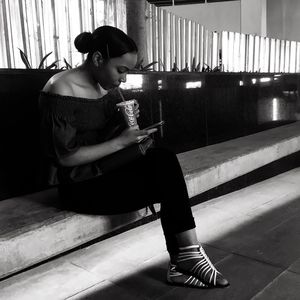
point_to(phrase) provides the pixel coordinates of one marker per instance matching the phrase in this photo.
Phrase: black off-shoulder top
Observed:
(66, 124)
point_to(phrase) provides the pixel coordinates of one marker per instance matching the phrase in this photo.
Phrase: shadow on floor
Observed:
(251, 256)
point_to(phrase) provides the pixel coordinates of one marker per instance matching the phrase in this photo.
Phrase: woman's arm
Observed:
(87, 154)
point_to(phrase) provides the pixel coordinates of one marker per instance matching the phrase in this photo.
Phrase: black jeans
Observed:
(154, 178)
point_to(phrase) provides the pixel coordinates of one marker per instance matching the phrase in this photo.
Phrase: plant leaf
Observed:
(43, 60)
(193, 64)
(68, 66)
(53, 65)
(149, 65)
(25, 59)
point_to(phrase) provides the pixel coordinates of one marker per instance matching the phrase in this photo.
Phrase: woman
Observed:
(78, 109)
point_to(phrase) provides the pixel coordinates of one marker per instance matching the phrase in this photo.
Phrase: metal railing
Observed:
(38, 27)
(178, 43)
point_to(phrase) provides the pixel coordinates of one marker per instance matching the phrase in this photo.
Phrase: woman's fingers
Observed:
(147, 132)
(152, 130)
(140, 138)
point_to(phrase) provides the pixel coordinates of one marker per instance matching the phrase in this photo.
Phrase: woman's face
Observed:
(114, 72)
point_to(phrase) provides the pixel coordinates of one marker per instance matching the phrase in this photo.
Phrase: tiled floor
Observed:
(252, 236)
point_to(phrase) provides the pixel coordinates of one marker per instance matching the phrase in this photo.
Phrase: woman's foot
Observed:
(192, 260)
(175, 277)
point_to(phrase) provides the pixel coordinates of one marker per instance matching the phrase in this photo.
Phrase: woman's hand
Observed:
(134, 135)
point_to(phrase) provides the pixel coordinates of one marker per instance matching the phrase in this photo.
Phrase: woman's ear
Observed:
(97, 59)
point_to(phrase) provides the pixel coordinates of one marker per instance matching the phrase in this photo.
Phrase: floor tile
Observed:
(295, 266)
(106, 291)
(149, 280)
(284, 287)
(249, 229)
(279, 246)
(47, 281)
(246, 277)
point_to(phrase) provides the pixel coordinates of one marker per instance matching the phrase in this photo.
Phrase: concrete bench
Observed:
(33, 229)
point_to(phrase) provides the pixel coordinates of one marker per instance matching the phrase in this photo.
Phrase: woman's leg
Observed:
(178, 222)
(170, 189)
(154, 178)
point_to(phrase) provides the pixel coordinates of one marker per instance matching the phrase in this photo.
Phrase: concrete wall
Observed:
(214, 16)
(253, 17)
(272, 18)
(283, 19)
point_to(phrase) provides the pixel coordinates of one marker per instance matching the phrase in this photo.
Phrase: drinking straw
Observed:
(122, 97)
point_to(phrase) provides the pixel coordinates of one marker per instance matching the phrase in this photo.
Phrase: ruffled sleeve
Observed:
(62, 137)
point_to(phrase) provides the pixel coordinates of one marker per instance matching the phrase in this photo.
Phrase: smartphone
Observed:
(154, 125)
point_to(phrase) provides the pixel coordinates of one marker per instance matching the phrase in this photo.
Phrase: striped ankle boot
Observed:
(192, 260)
(174, 277)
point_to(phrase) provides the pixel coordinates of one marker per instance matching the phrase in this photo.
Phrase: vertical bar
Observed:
(160, 38)
(287, 57)
(231, 52)
(197, 44)
(154, 33)
(209, 48)
(262, 55)
(282, 55)
(3, 56)
(277, 55)
(69, 30)
(22, 20)
(149, 32)
(256, 53)
(242, 52)
(6, 34)
(93, 23)
(225, 40)
(293, 57)
(236, 52)
(298, 58)
(172, 40)
(201, 46)
(177, 42)
(115, 13)
(167, 46)
(182, 42)
(251, 53)
(55, 29)
(272, 56)
(247, 52)
(38, 29)
(267, 54)
(105, 11)
(193, 40)
(188, 43)
(206, 48)
(42, 26)
(214, 50)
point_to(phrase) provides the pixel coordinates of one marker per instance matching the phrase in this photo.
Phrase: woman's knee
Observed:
(162, 153)
(164, 161)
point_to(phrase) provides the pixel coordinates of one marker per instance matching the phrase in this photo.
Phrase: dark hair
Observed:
(110, 41)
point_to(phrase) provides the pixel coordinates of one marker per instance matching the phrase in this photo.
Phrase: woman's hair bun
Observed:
(84, 42)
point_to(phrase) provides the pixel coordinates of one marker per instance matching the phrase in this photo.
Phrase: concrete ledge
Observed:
(210, 166)
(32, 229)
